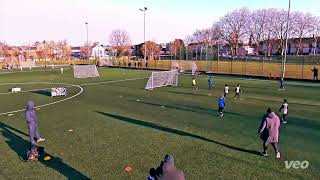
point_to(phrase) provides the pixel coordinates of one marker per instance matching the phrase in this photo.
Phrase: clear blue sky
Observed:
(25, 21)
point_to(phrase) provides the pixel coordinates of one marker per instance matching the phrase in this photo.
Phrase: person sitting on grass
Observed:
(32, 121)
(170, 171)
(284, 108)
(269, 132)
(221, 104)
(210, 83)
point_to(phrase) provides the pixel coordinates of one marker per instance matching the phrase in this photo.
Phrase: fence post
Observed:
(231, 64)
(302, 68)
(245, 69)
(211, 68)
(262, 66)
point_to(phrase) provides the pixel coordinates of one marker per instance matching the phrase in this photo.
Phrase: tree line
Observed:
(270, 26)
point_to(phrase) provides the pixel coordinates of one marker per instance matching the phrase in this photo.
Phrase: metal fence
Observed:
(271, 68)
(297, 67)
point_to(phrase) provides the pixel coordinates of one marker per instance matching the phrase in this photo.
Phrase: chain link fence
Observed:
(297, 67)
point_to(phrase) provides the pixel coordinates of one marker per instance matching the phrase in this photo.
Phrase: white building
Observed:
(100, 51)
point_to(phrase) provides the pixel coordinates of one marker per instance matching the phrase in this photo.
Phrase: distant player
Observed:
(282, 84)
(210, 83)
(226, 90)
(221, 104)
(284, 108)
(315, 73)
(238, 91)
(194, 84)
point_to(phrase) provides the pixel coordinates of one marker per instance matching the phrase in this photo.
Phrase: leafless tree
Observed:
(86, 50)
(258, 26)
(302, 27)
(176, 46)
(187, 41)
(315, 31)
(65, 49)
(233, 28)
(120, 40)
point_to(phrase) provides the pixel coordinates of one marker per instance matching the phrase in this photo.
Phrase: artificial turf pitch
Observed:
(112, 130)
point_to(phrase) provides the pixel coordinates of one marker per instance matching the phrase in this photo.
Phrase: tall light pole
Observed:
(286, 45)
(144, 32)
(87, 40)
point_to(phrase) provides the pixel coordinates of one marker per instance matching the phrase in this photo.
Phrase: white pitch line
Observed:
(112, 81)
(11, 72)
(70, 85)
(44, 105)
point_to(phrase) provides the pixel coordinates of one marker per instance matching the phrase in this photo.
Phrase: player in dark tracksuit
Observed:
(32, 121)
(315, 73)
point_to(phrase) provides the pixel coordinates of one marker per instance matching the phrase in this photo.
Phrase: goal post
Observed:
(162, 78)
(183, 66)
(85, 71)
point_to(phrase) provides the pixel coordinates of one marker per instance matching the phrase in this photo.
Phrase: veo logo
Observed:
(296, 164)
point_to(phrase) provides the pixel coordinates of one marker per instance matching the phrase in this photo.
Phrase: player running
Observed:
(284, 108)
(226, 90)
(221, 104)
(238, 91)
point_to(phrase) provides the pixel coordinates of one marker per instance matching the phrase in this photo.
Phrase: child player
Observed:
(282, 84)
(238, 91)
(194, 84)
(210, 82)
(284, 108)
(226, 90)
(221, 104)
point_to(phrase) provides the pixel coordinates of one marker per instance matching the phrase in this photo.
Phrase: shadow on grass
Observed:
(194, 109)
(42, 92)
(20, 146)
(189, 93)
(175, 131)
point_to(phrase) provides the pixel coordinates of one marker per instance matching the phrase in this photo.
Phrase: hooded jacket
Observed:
(170, 172)
(30, 113)
(271, 124)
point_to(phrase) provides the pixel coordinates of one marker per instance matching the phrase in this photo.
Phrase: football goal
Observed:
(162, 78)
(85, 71)
(183, 66)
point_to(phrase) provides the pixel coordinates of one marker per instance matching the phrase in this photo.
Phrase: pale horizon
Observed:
(24, 22)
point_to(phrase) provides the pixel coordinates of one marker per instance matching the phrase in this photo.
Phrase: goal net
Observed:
(162, 78)
(85, 71)
(184, 66)
(27, 64)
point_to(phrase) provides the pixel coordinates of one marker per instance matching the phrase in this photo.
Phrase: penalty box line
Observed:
(87, 84)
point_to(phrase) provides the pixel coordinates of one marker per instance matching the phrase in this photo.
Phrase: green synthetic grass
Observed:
(113, 130)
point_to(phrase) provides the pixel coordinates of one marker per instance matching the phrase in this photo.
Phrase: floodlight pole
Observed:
(87, 41)
(286, 45)
(144, 32)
